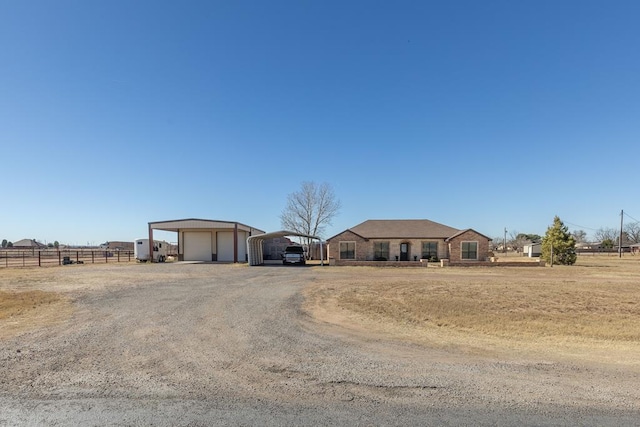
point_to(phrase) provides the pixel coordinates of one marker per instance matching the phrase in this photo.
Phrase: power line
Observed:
(580, 226)
(631, 217)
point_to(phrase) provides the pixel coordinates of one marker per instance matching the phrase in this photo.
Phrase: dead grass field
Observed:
(27, 303)
(590, 311)
(24, 310)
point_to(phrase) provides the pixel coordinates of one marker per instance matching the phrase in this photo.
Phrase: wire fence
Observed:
(42, 258)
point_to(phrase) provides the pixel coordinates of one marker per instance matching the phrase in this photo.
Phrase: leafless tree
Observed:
(632, 230)
(606, 233)
(517, 241)
(497, 243)
(310, 210)
(580, 236)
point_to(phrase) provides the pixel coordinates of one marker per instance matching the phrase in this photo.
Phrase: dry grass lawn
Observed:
(590, 311)
(21, 311)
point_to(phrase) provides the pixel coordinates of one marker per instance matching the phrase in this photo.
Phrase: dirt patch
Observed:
(28, 310)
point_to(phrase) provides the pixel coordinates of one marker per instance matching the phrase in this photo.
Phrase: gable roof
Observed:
(470, 229)
(402, 229)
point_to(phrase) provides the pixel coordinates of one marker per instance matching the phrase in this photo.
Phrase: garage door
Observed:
(225, 246)
(197, 246)
(242, 246)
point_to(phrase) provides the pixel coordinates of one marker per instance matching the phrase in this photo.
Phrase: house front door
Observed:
(404, 252)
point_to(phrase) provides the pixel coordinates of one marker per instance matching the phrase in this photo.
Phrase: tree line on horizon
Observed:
(607, 237)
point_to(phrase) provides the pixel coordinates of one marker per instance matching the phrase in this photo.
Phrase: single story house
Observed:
(28, 244)
(407, 240)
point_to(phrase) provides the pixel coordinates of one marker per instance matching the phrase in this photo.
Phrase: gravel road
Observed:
(203, 344)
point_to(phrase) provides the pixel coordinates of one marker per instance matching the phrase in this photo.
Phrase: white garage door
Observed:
(225, 246)
(197, 246)
(242, 246)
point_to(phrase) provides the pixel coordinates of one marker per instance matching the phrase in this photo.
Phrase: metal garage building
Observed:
(208, 240)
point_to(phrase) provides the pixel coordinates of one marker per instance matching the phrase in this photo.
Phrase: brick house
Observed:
(406, 240)
(28, 244)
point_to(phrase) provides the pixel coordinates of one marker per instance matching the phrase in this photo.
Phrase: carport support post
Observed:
(150, 243)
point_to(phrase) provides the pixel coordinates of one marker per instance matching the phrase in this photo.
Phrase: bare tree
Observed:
(632, 230)
(607, 233)
(310, 210)
(497, 243)
(580, 236)
(517, 240)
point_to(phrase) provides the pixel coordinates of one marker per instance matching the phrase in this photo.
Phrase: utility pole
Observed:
(620, 238)
(504, 241)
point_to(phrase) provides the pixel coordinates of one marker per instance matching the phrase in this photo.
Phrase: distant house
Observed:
(28, 244)
(407, 240)
(635, 248)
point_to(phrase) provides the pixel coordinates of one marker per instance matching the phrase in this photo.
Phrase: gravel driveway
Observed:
(203, 344)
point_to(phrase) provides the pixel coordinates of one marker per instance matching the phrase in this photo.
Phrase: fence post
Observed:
(106, 258)
(39, 260)
(59, 260)
(92, 257)
(77, 257)
(23, 258)
(118, 256)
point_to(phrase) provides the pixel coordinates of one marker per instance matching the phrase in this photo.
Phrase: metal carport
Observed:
(255, 248)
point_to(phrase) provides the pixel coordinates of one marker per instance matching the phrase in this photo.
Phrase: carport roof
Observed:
(191, 223)
(282, 233)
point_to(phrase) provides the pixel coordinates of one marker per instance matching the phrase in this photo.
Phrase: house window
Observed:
(381, 251)
(429, 250)
(347, 250)
(469, 250)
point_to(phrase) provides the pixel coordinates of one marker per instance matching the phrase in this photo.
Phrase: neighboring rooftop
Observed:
(28, 243)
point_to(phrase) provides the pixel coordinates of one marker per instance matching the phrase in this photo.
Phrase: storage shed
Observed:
(208, 240)
(532, 250)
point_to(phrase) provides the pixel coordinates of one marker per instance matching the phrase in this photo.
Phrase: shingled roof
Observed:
(402, 229)
(28, 243)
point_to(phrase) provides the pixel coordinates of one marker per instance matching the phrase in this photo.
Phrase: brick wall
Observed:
(365, 247)
(455, 246)
(381, 263)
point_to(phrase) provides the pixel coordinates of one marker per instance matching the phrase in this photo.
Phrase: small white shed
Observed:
(532, 250)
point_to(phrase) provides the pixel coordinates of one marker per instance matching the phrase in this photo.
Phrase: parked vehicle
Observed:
(160, 250)
(293, 255)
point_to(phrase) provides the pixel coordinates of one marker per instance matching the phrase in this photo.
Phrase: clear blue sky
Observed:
(481, 114)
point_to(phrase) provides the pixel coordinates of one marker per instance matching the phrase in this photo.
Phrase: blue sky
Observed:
(474, 114)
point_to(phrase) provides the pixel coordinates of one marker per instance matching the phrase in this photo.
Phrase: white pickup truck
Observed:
(293, 255)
